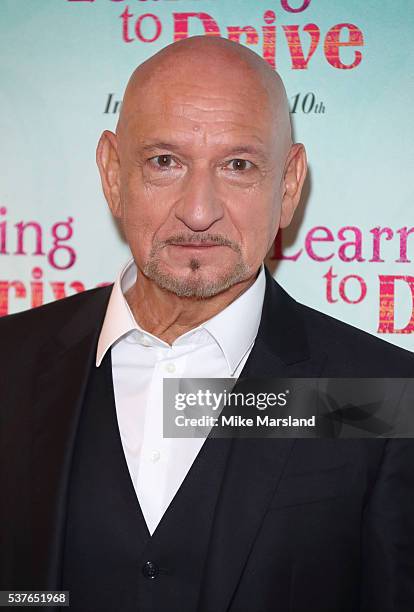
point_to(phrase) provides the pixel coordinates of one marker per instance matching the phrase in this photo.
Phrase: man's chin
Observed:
(196, 281)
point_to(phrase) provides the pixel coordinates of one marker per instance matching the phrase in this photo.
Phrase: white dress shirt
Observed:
(218, 348)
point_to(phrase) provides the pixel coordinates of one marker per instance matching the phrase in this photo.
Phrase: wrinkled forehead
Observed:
(208, 103)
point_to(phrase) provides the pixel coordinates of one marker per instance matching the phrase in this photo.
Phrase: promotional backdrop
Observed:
(347, 67)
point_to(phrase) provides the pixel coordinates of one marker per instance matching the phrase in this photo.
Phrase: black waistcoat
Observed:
(111, 563)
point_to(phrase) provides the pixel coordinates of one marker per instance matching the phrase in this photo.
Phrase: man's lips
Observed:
(197, 245)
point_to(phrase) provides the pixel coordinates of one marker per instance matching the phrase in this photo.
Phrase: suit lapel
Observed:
(62, 374)
(255, 466)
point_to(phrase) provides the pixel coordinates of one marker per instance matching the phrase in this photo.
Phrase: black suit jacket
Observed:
(302, 524)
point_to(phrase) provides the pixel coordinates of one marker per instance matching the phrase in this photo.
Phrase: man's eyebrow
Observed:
(237, 150)
(160, 145)
(248, 149)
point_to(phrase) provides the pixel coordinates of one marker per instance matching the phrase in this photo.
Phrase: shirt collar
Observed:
(235, 327)
(119, 321)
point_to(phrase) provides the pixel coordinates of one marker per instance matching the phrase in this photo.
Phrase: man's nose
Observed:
(199, 206)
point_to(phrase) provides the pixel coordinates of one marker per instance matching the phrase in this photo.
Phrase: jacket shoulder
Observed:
(42, 322)
(359, 352)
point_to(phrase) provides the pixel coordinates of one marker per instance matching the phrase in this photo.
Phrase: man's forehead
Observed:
(164, 132)
(203, 96)
(204, 111)
(207, 85)
(224, 94)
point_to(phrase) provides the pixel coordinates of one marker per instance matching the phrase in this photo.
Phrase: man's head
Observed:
(202, 170)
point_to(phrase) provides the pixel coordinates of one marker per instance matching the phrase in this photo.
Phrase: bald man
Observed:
(200, 174)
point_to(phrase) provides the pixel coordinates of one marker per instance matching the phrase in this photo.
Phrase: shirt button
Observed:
(155, 455)
(150, 570)
(145, 341)
(170, 367)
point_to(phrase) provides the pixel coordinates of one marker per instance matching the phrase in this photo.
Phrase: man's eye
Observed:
(162, 161)
(238, 165)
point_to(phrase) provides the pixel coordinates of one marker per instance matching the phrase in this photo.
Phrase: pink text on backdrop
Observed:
(338, 36)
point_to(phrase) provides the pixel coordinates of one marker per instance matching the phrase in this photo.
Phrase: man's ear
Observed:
(294, 176)
(107, 158)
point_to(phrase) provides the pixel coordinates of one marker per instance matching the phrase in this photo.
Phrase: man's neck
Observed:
(168, 316)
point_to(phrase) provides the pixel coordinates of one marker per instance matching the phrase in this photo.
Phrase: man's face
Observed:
(200, 182)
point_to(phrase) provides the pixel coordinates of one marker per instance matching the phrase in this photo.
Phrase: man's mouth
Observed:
(197, 245)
